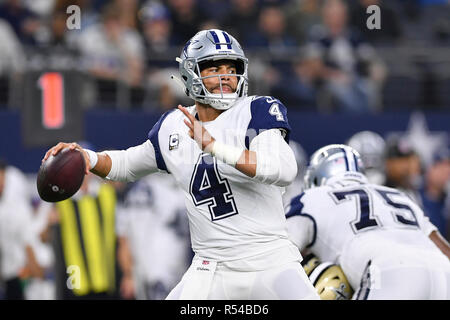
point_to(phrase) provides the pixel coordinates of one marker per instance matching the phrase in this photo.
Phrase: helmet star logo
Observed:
(186, 46)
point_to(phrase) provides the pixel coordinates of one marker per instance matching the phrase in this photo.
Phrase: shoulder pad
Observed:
(267, 113)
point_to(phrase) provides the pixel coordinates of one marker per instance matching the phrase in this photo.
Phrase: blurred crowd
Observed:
(313, 54)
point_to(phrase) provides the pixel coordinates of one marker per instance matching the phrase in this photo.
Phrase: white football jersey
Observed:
(350, 221)
(231, 215)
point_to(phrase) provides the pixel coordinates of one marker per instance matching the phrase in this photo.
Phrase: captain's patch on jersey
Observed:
(174, 140)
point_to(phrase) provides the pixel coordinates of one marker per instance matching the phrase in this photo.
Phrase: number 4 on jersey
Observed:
(208, 187)
(275, 111)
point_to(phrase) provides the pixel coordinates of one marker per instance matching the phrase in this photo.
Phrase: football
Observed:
(60, 176)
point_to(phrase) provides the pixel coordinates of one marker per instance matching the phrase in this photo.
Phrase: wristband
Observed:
(228, 154)
(93, 157)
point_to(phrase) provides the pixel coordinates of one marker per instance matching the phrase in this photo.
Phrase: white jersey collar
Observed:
(348, 176)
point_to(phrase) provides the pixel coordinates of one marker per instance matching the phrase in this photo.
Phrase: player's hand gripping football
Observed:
(62, 145)
(197, 131)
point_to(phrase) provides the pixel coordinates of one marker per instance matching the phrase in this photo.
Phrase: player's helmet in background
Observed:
(371, 146)
(328, 278)
(212, 45)
(331, 282)
(332, 160)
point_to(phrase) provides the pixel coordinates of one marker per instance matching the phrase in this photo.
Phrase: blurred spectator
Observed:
(441, 24)
(429, 186)
(350, 72)
(159, 39)
(298, 86)
(278, 3)
(42, 288)
(209, 24)
(12, 61)
(128, 13)
(186, 18)
(153, 223)
(58, 35)
(23, 21)
(403, 167)
(271, 33)
(167, 91)
(42, 8)
(278, 46)
(12, 56)
(215, 10)
(18, 259)
(390, 30)
(241, 19)
(301, 15)
(435, 192)
(112, 53)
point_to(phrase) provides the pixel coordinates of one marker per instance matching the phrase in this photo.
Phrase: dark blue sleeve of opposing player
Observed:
(266, 113)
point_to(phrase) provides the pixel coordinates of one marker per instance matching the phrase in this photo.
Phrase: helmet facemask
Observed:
(197, 90)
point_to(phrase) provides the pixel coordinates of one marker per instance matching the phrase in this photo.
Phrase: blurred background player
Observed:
(43, 287)
(403, 167)
(344, 219)
(17, 236)
(153, 233)
(371, 147)
(426, 184)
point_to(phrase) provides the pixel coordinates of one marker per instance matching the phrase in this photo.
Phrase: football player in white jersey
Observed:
(378, 235)
(229, 154)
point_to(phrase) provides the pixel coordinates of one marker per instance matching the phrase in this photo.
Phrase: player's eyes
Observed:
(215, 70)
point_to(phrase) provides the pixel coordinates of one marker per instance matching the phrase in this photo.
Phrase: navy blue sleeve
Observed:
(295, 206)
(296, 209)
(266, 113)
(153, 136)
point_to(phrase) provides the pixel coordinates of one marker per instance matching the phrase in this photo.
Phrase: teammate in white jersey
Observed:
(379, 236)
(229, 154)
